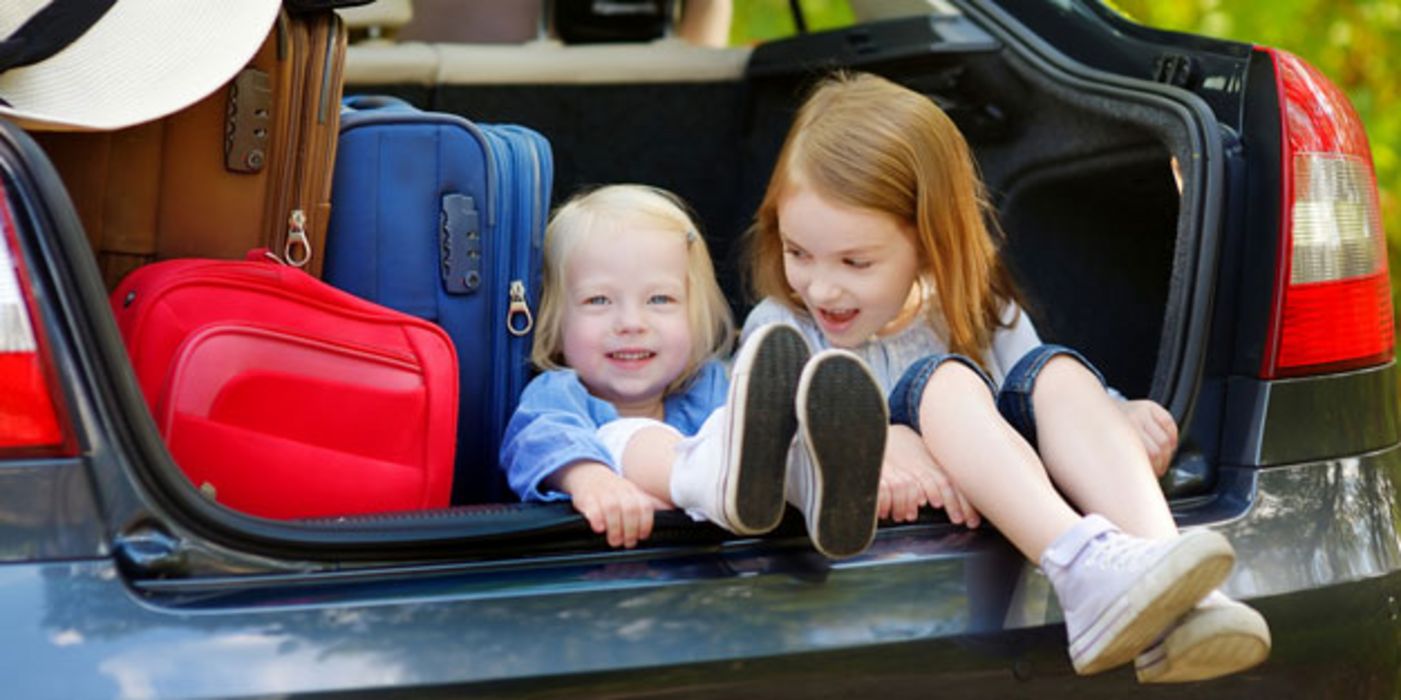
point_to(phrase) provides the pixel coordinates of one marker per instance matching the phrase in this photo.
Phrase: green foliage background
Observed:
(757, 20)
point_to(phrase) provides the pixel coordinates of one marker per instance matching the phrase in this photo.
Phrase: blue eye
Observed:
(661, 299)
(596, 300)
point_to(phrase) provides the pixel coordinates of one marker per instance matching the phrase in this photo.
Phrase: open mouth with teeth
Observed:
(837, 319)
(631, 355)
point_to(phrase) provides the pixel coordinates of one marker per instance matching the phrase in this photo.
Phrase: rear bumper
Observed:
(1314, 525)
(930, 608)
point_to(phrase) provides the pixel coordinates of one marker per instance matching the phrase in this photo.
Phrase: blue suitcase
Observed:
(443, 219)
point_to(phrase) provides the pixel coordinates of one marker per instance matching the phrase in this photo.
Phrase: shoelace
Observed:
(1119, 552)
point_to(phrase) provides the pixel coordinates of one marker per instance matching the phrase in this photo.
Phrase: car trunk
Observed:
(1080, 178)
(1108, 254)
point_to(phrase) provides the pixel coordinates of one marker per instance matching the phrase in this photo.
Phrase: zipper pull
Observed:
(297, 250)
(518, 306)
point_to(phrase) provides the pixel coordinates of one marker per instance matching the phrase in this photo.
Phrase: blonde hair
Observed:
(654, 209)
(866, 142)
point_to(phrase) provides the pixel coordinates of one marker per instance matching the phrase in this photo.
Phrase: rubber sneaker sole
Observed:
(762, 393)
(1193, 567)
(843, 418)
(1209, 642)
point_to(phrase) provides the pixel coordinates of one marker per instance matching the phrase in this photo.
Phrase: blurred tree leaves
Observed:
(760, 20)
(1351, 42)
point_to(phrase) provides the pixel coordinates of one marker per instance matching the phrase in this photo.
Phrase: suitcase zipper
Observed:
(291, 46)
(504, 259)
(311, 180)
(521, 268)
(296, 251)
(518, 307)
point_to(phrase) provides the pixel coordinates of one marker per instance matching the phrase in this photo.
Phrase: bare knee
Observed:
(651, 442)
(1064, 372)
(954, 384)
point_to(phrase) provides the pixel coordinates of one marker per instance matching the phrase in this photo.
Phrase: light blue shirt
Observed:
(557, 422)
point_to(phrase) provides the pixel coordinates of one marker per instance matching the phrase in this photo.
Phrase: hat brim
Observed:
(143, 60)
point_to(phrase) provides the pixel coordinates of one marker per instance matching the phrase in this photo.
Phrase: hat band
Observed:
(50, 30)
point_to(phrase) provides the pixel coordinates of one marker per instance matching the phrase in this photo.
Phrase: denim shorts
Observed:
(1013, 400)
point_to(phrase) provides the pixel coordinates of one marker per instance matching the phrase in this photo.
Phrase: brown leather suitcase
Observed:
(248, 166)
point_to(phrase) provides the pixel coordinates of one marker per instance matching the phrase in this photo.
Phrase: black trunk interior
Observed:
(1085, 195)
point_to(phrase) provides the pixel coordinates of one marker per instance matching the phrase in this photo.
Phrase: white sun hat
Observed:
(141, 60)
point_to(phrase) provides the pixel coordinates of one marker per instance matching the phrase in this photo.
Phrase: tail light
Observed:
(32, 422)
(1332, 300)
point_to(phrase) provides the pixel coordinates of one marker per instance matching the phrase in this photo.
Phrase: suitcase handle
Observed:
(367, 103)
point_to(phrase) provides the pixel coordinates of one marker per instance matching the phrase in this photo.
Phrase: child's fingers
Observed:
(588, 507)
(914, 497)
(1169, 426)
(614, 517)
(1159, 445)
(1160, 465)
(1161, 459)
(883, 500)
(644, 521)
(1154, 432)
(953, 505)
(632, 510)
(929, 491)
(971, 517)
(899, 497)
(902, 493)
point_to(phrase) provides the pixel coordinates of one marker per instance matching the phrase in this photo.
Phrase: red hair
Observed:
(868, 143)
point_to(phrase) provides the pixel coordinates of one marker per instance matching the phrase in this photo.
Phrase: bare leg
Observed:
(1092, 452)
(647, 461)
(706, 22)
(989, 462)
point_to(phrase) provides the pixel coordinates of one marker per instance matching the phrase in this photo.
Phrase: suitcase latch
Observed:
(460, 239)
(248, 121)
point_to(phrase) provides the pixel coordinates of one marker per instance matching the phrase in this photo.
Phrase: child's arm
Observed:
(613, 505)
(1157, 429)
(554, 425)
(910, 478)
(551, 452)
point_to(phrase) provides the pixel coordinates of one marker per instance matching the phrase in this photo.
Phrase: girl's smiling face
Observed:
(853, 268)
(625, 327)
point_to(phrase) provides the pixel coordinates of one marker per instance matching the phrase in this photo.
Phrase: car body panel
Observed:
(762, 617)
(47, 512)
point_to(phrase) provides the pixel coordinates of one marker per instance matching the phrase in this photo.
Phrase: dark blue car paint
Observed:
(758, 617)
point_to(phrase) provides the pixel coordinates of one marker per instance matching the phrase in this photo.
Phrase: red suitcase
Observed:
(281, 396)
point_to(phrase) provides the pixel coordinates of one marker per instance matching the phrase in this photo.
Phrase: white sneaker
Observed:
(1119, 592)
(834, 468)
(732, 471)
(1218, 637)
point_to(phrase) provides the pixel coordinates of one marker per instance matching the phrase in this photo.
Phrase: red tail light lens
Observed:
(1332, 308)
(31, 422)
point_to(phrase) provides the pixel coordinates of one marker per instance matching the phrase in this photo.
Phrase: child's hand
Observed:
(1155, 425)
(910, 478)
(612, 504)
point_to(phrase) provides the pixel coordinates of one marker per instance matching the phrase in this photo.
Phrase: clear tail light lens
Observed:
(31, 422)
(1332, 309)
